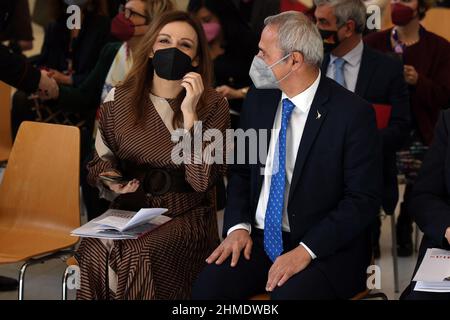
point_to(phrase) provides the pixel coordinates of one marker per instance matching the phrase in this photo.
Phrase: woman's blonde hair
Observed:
(155, 8)
(139, 79)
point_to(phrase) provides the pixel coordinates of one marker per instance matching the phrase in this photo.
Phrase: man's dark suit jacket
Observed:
(336, 185)
(430, 199)
(380, 81)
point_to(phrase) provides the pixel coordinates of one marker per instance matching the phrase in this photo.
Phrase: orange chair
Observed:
(5, 121)
(437, 20)
(39, 196)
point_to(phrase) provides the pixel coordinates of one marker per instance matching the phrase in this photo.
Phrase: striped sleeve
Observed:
(204, 170)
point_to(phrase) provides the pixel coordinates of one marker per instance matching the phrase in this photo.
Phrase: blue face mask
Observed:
(262, 74)
(79, 3)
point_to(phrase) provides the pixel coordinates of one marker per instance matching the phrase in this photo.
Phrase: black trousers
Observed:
(249, 277)
(410, 294)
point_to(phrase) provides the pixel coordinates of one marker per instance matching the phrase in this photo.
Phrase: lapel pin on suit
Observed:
(318, 115)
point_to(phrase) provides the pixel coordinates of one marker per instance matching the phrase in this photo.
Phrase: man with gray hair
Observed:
(375, 77)
(300, 218)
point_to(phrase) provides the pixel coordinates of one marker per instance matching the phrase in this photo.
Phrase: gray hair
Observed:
(296, 32)
(345, 10)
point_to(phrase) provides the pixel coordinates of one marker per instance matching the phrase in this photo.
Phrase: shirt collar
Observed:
(353, 57)
(303, 100)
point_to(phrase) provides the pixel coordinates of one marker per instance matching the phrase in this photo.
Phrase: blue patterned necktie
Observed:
(339, 71)
(273, 241)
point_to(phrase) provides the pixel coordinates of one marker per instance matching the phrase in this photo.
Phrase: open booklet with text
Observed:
(120, 224)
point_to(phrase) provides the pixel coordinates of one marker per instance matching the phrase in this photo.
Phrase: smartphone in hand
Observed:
(114, 179)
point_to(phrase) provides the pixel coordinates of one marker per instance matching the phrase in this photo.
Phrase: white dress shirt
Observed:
(294, 134)
(351, 66)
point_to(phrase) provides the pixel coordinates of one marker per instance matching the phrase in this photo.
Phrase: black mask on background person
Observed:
(330, 40)
(171, 63)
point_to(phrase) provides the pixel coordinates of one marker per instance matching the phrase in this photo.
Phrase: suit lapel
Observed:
(325, 63)
(365, 72)
(316, 117)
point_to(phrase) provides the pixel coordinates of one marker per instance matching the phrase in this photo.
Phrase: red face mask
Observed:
(401, 15)
(122, 28)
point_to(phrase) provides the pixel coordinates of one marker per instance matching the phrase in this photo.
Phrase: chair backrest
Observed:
(40, 187)
(5, 121)
(437, 20)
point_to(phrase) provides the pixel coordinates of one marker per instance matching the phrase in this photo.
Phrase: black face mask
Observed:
(330, 40)
(171, 63)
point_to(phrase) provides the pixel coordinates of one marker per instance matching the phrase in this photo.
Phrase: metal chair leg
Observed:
(394, 253)
(23, 269)
(64, 283)
(34, 261)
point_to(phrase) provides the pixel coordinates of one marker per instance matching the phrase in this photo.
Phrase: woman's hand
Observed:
(120, 188)
(61, 78)
(411, 75)
(193, 84)
(48, 88)
(447, 235)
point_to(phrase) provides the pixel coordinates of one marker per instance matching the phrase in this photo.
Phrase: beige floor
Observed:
(44, 281)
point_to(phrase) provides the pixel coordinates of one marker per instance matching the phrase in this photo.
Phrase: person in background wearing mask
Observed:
(426, 60)
(300, 218)
(168, 88)
(374, 76)
(114, 63)
(232, 55)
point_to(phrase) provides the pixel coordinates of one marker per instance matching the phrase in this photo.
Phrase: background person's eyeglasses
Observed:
(128, 13)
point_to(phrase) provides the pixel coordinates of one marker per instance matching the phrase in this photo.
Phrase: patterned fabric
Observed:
(273, 241)
(164, 263)
(339, 71)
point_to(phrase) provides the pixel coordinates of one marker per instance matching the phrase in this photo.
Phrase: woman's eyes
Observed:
(184, 44)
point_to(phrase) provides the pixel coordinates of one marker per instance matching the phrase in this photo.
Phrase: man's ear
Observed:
(350, 28)
(297, 60)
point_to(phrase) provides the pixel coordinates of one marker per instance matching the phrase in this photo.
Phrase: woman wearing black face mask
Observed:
(426, 58)
(113, 64)
(168, 88)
